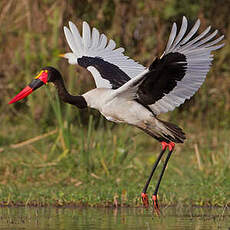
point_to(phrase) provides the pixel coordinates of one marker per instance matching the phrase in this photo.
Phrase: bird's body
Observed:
(118, 108)
(126, 91)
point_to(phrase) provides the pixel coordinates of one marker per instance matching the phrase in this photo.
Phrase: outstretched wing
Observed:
(180, 71)
(109, 66)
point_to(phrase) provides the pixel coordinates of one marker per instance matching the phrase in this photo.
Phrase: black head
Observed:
(52, 73)
(47, 74)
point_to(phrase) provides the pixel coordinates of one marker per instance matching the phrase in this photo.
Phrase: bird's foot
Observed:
(156, 205)
(145, 199)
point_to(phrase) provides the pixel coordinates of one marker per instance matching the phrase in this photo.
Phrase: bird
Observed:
(128, 92)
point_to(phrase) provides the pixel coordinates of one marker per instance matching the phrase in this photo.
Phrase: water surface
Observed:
(108, 218)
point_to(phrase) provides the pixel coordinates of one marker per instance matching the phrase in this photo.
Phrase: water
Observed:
(108, 218)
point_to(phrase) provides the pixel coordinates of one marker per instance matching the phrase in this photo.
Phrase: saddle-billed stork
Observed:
(128, 92)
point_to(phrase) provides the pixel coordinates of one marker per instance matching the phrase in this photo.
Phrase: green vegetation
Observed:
(52, 153)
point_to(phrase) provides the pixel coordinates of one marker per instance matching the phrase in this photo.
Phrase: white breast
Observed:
(116, 108)
(97, 98)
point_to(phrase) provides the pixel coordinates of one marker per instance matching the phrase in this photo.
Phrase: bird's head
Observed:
(47, 74)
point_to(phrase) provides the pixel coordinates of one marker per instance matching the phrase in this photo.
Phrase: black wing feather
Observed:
(162, 77)
(108, 71)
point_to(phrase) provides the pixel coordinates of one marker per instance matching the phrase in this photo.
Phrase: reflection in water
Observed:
(108, 218)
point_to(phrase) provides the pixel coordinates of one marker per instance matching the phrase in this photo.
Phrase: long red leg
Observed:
(144, 196)
(171, 146)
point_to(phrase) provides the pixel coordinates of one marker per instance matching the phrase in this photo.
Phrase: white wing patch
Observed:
(198, 56)
(93, 44)
(97, 77)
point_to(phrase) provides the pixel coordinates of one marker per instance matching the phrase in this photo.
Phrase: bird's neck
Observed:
(64, 95)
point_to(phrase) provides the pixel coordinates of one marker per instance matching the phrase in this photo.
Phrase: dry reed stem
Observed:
(32, 140)
(41, 165)
(95, 176)
(200, 166)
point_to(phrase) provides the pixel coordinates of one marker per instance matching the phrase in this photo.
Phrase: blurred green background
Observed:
(53, 153)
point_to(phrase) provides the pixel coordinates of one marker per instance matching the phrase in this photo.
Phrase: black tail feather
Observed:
(178, 134)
